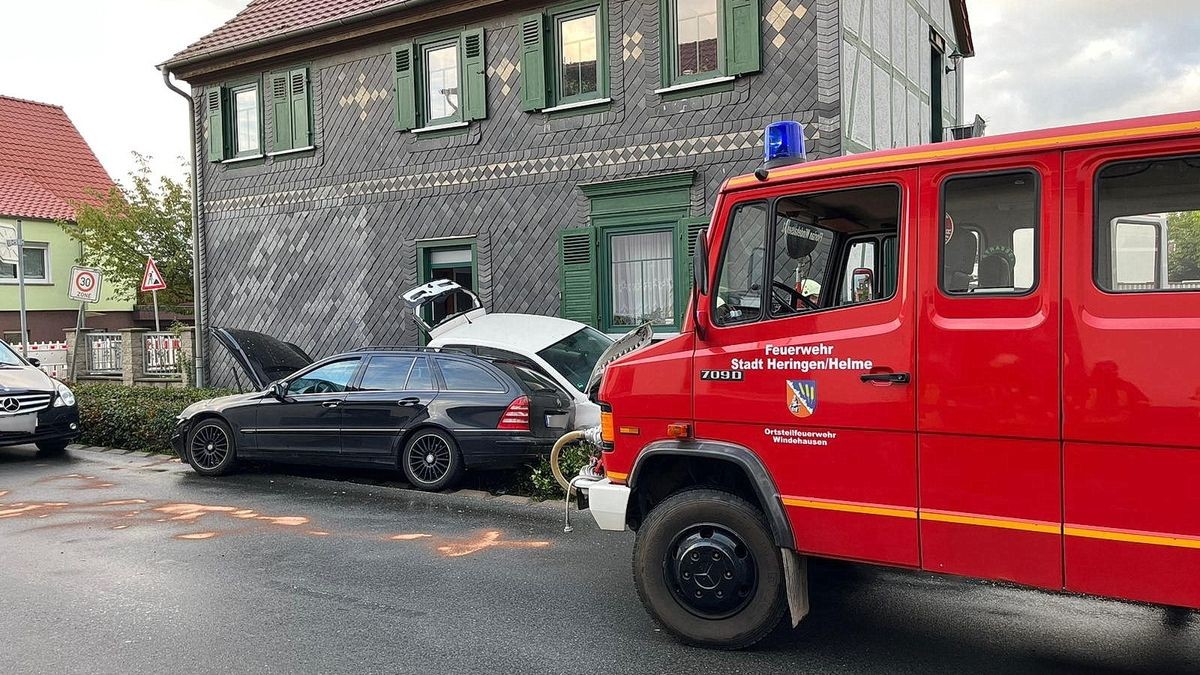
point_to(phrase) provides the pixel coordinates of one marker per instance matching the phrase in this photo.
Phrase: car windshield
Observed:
(576, 355)
(8, 357)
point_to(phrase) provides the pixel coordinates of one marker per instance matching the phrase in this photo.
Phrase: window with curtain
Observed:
(642, 278)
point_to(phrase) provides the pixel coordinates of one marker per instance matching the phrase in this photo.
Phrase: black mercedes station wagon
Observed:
(430, 413)
(34, 407)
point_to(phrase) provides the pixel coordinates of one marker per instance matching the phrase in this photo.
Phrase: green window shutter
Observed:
(533, 62)
(666, 43)
(301, 108)
(474, 77)
(743, 37)
(214, 110)
(688, 230)
(577, 265)
(281, 110)
(406, 86)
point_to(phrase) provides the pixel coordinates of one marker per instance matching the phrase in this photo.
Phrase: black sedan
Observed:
(430, 413)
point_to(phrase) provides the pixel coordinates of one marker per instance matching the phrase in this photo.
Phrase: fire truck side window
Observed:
(1148, 226)
(740, 277)
(834, 249)
(998, 213)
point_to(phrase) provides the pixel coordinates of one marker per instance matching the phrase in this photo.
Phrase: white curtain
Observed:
(642, 278)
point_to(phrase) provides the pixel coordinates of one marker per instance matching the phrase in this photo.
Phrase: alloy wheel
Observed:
(429, 459)
(210, 446)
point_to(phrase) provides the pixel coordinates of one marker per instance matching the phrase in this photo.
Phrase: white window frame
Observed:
(47, 280)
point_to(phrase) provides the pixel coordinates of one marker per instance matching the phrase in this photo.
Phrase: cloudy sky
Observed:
(1053, 62)
(1039, 64)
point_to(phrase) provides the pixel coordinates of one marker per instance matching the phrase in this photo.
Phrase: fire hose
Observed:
(591, 436)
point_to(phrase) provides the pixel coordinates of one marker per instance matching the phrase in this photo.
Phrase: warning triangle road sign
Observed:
(152, 280)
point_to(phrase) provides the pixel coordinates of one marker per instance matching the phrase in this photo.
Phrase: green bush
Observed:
(540, 483)
(133, 418)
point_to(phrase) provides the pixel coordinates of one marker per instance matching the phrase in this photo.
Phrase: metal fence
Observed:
(104, 354)
(162, 353)
(52, 356)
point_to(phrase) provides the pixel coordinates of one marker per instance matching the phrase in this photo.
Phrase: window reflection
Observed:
(696, 36)
(578, 47)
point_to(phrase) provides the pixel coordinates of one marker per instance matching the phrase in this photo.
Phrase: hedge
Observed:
(133, 418)
(142, 418)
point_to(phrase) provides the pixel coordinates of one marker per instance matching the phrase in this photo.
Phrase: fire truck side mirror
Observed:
(700, 263)
(862, 284)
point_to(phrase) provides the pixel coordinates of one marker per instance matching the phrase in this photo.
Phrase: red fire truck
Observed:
(979, 358)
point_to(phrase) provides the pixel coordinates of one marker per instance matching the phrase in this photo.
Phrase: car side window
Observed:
(329, 378)
(465, 349)
(1002, 210)
(1147, 226)
(818, 242)
(468, 377)
(386, 373)
(740, 277)
(421, 377)
(505, 355)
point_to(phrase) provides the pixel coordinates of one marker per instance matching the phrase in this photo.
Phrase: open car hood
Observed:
(426, 295)
(263, 359)
(633, 340)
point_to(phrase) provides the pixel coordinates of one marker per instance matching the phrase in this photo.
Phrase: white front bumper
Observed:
(607, 502)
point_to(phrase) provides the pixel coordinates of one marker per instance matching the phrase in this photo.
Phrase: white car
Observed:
(570, 353)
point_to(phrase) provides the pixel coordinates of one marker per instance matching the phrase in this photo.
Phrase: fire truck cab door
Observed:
(988, 369)
(806, 356)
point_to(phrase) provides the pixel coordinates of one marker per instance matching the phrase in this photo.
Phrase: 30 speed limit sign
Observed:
(85, 284)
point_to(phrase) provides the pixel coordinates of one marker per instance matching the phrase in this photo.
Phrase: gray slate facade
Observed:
(315, 247)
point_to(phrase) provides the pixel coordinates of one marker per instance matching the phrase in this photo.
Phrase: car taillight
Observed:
(516, 416)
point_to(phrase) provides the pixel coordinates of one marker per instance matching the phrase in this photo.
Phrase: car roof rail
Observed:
(397, 348)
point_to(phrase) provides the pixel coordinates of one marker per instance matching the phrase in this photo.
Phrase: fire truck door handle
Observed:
(889, 378)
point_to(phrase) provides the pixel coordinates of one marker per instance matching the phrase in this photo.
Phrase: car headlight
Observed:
(65, 396)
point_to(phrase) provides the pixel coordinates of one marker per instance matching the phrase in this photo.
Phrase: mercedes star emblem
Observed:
(10, 404)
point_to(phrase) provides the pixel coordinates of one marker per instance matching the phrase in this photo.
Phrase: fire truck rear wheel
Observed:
(708, 570)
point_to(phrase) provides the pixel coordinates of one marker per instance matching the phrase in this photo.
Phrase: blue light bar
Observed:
(784, 144)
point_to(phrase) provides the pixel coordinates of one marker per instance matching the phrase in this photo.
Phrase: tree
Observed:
(1183, 249)
(144, 218)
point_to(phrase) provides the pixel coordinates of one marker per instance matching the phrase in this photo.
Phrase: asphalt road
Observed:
(124, 563)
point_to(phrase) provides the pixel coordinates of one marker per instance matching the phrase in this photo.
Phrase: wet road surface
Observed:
(121, 563)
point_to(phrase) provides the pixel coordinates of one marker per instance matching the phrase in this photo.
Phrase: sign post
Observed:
(84, 288)
(13, 253)
(152, 281)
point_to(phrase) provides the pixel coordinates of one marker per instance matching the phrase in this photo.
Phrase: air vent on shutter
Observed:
(214, 101)
(403, 58)
(694, 232)
(279, 87)
(530, 32)
(297, 84)
(577, 250)
(473, 43)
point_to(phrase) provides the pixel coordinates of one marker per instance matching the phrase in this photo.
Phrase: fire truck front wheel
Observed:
(708, 570)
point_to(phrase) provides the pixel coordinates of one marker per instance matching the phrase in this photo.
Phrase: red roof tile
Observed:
(45, 165)
(270, 18)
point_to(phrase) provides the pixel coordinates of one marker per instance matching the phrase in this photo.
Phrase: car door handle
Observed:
(888, 378)
(409, 401)
(331, 404)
